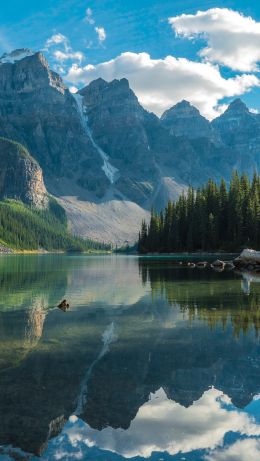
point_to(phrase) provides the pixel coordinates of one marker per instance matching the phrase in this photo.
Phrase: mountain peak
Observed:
(184, 119)
(183, 103)
(16, 55)
(237, 106)
(182, 109)
(100, 84)
(123, 83)
(38, 73)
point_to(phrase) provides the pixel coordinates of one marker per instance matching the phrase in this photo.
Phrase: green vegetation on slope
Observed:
(211, 218)
(25, 228)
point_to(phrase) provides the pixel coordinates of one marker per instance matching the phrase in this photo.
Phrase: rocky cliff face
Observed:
(20, 175)
(117, 123)
(239, 129)
(183, 119)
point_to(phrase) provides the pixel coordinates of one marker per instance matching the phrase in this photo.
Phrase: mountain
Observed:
(104, 157)
(132, 138)
(21, 175)
(183, 119)
(116, 121)
(239, 129)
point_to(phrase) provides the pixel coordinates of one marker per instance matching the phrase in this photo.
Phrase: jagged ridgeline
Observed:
(213, 217)
(30, 219)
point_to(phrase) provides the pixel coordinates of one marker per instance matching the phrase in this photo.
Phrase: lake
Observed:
(151, 361)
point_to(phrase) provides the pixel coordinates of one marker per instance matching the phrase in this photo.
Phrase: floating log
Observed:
(63, 305)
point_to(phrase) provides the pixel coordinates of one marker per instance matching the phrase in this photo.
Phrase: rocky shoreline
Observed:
(248, 260)
(5, 250)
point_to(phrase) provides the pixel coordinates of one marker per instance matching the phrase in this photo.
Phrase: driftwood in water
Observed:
(63, 305)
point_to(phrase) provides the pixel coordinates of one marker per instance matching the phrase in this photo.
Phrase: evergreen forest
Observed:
(26, 228)
(213, 217)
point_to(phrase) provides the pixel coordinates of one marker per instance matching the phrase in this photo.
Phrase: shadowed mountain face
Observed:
(103, 358)
(240, 130)
(117, 123)
(106, 158)
(183, 119)
(135, 141)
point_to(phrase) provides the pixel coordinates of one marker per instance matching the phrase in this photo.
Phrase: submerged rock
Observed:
(249, 259)
(202, 264)
(218, 263)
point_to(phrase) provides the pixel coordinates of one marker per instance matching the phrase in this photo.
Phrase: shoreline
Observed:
(10, 251)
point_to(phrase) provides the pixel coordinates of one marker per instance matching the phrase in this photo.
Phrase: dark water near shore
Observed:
(151, 361)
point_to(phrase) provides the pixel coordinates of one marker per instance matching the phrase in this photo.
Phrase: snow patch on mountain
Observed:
(110, 171)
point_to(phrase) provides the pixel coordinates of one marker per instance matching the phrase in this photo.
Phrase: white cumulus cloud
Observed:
(242, 450)
(89, 16)
(161, 83)
(55, 43)
(101, 33)
(233, 40)
(63, 56)
(57, 39)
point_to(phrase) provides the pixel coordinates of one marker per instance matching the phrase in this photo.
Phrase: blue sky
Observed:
(101, 30)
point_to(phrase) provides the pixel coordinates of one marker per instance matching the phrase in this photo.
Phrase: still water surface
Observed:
(150, 361)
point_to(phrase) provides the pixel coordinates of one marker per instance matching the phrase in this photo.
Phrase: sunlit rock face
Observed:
(20, 175)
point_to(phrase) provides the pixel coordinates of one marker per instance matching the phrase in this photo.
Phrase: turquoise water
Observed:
(151, 361)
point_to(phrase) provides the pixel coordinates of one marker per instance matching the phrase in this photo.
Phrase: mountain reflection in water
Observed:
(150, 361)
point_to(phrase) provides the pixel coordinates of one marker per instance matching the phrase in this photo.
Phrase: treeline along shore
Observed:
(211, 218)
